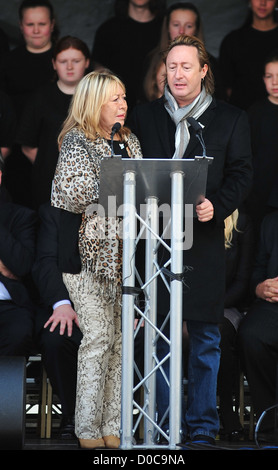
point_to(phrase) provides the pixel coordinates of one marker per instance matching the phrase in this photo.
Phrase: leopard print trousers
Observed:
(98, 394)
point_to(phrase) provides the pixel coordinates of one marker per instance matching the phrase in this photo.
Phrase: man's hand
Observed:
(268, 290)
(205, 211)
(65, 315)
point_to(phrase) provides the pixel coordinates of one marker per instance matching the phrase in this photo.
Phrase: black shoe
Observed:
(203, 439)
(66, 430)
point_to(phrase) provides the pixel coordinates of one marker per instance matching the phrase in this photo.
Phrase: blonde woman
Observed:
(98, 103)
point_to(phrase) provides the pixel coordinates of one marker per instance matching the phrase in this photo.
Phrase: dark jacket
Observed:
(18, 226)
(266, 262)
(57, 252)
(227, 138)
(239, 264)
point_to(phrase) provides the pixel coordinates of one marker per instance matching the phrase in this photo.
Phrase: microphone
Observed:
(117, 126)
(198, 130)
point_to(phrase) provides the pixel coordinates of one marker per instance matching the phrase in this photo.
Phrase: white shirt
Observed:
(61, 302)
(4, 294)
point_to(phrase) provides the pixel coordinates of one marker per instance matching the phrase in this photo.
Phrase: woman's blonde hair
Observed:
(92, 92)
(230, 226)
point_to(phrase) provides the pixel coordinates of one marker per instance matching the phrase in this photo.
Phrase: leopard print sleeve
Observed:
(134, 146)
(76, 180)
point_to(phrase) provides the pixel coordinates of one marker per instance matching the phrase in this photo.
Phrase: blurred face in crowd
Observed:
(37, 26)
(184, 73)
(182, 22)
(139, 3)
(114, 110)
(160, 78)
(271, 81)
(263, 9)
(70, 66)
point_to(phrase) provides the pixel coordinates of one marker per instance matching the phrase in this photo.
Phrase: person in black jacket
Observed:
(7, 124)
(46, 110)
(17, 253)
(23, 70)
(243, 52)
(263, 116)
(132, 32)
(57, 330)
(258, 332)
(159, 126)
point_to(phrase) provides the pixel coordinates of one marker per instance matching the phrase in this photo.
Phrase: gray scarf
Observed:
(179, 115)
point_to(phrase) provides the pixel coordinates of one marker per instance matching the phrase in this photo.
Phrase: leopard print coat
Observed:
(75, 187)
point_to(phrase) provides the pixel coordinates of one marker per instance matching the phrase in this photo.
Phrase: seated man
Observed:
(258, 332)
(57, 332)
(17, 253)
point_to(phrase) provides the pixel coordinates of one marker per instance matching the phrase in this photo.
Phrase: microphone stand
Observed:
(198, 132)
(115, 129)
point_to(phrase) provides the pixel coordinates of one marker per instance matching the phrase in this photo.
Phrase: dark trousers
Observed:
(16, 330)
(59, 355)
(258, 343)
(228, 377)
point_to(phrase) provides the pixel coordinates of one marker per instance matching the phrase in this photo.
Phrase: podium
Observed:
(139, 191)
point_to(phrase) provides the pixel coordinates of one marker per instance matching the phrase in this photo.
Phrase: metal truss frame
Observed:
(124, 184)
(148, 315)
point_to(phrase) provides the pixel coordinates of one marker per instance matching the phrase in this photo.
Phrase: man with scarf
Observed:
(164, 132)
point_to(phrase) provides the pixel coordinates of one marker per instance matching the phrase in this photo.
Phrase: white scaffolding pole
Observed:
(149, 343)
(129, 231)
(148, 409)
(177, 214)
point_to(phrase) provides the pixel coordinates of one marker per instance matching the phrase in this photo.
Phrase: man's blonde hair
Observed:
(203, 56)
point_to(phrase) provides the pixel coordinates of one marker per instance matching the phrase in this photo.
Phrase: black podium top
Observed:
(153, 178)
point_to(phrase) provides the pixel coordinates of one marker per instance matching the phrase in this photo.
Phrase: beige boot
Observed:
(112, 442)
(91, 443)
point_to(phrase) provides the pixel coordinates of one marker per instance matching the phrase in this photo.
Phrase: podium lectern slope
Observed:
(152, 179)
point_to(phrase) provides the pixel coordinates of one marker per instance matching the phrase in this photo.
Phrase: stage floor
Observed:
(33, 442)
(68, 453)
